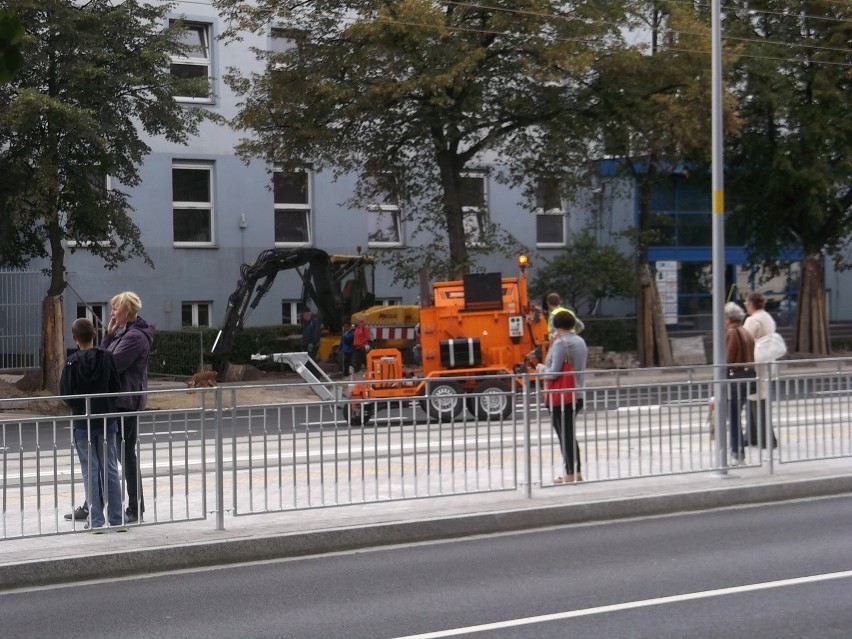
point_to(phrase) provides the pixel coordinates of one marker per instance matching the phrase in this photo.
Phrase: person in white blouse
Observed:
(759, 324)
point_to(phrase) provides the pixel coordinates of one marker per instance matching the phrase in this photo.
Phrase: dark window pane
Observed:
(190, 185)
(547, 195)
(664, 227)
(186, 314)
(195, 37)
(292, 226)
(383, 227)
(548, 229)
(694, 230)
(291, 187)
(204, 315)
(192, 225)
(472, 192)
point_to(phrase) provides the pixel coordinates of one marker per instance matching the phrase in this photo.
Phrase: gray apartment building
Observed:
(203, 212)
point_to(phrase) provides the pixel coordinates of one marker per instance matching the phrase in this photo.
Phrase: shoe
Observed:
(80, 514)
(558, 480)
(131, 517)
(573, 479)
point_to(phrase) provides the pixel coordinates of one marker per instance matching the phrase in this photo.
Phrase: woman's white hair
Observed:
(734, 311)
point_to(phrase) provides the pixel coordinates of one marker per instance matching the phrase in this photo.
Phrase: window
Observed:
(384, 221)
(192, 197)
(474, 206)
(195, 65)
(388, 301)
(291, 311)
(292, 207)
(195, 314)
(282, 42)
(98, 315)
(550, 215)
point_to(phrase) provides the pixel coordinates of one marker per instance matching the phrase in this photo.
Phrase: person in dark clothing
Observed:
(347, 347)
(311, 333)
(91, 371)
(739, 354)
(129, 338)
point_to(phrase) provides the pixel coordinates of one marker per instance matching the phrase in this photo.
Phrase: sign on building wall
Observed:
(667, 287)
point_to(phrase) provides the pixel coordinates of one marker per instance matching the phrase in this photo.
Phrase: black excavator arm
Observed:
(321, 280)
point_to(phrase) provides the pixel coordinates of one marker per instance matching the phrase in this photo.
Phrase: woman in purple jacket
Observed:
(129, 339)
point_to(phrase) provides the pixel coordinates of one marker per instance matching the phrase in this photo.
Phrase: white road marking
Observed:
(630, 605)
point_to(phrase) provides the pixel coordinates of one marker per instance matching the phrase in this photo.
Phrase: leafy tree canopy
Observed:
(11, 34)
(96, 76)
(791, 175)
(585, 274)
(422, 90)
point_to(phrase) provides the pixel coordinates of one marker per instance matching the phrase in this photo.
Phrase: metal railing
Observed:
(239, 450)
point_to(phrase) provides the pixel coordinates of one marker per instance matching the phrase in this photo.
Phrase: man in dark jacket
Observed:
(129, 338)
(91, 371)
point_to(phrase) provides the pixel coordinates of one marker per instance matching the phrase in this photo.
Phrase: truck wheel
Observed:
(492, 399)
(444, 400)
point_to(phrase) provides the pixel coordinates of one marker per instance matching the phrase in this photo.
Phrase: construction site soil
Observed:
(263, 388)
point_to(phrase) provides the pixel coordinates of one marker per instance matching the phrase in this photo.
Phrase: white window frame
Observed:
(281, 40)
(296, 207)
(544, 198)
(389, 301)
(102, 310)
(208, 206)
(291, 311)
(475, 216)
(195, 308)
(203, 59)
(385, 208)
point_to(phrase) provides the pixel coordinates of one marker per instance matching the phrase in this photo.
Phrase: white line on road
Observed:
(630, 605)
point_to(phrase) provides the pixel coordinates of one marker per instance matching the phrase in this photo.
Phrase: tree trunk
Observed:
(645, 301)
(450, 174)
(53, 342)
(52, 314)
(810, 334)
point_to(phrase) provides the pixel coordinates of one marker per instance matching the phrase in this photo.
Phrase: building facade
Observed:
(203, 212)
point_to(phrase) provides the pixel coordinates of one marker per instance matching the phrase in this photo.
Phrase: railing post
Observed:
(527, 438)
(220, 463)
(772, 374)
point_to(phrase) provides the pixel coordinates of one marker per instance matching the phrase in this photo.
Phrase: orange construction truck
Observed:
(476, 338)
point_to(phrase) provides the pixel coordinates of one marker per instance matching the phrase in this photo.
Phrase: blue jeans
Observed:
(91, 453)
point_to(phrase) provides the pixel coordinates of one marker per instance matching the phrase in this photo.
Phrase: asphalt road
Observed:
(768, 571)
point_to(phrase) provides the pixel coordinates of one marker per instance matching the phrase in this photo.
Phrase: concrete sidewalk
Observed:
(150, 548)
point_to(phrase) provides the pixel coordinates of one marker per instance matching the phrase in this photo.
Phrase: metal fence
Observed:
(21, 293)
(247, 449)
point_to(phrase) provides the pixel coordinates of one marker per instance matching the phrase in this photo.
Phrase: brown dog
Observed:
(203, 378)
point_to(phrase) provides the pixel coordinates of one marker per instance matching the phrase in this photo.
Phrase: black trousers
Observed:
(128, 431)
(562, 420)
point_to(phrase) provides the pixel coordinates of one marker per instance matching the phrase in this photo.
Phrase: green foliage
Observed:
(261, 339)
(791, 181)
(97, 77)
(613, 333)
(585, 274)
(11, 34)
(182, 353)
(176, 353)
(424, 91)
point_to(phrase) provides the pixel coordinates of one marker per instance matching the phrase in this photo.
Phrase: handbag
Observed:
(560, 391)
(768, 348)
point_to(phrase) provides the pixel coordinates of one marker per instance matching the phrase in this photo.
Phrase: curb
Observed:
(246, 549)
